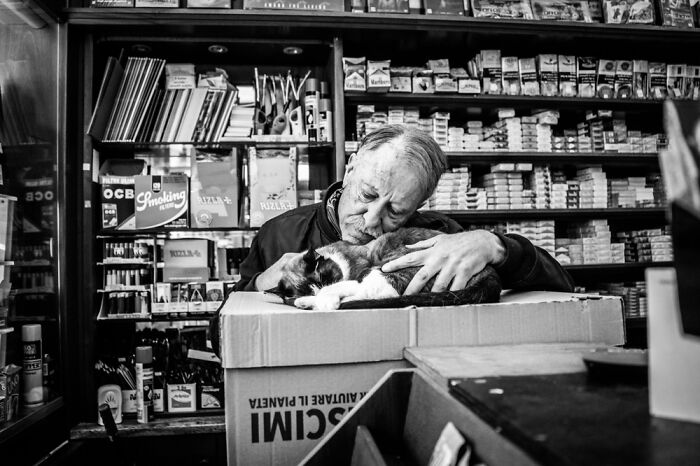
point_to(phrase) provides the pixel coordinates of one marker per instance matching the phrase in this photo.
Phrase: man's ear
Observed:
(349, 167)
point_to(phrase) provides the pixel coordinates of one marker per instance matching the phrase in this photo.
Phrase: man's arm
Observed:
(252, 266)
(527, 267)
(453, 259)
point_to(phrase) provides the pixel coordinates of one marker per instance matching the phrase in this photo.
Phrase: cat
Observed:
(348, 276)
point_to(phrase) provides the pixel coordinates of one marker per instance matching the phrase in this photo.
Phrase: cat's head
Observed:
(307, 273)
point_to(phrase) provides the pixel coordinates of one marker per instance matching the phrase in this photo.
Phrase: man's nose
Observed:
(373, 217)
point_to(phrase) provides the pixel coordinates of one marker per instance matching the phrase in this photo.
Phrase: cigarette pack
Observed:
(491, 71)
(378, 75)
(401, 79)
(384, 6)
(657, 80)
(605, 88)
(586, 74)
(161, 201)
(273, 188)
(623, 79)
(355, 74)
(694, 85)
(511, 75)
(567, 75)
(423, 82)
(547, 65)
(444, 7)
(529, 85)
(675, 81)
(161, 298)
(215, 295)
(640, 81)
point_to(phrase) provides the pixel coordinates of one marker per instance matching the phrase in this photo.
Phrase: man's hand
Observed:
(271, 276)
(453, 258)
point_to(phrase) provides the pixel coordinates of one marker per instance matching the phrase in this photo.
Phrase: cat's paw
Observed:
(327, 302)
(305, 302)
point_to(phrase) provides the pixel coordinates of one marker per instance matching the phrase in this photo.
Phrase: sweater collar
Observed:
(328, 219)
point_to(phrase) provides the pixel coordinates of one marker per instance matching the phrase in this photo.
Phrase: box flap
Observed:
(258, 331)
(526, 317)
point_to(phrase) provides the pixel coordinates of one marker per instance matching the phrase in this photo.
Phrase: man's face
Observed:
(380, 193)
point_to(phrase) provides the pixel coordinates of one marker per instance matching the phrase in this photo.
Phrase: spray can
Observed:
(32, 375)
(144, 384)
(311, 97)
(325, 121)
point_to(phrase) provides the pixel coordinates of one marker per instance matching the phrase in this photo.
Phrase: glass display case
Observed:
(33, 419)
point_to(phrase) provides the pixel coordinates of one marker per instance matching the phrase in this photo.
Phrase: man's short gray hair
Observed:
(416, 147)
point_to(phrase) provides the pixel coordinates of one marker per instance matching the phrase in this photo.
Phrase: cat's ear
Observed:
(311, 260)
(329, 272)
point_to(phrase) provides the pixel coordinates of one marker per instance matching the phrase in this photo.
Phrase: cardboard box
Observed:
(161, 201)
(273, 183)
(291, 374)
(187, 260)
(117, 202)
(182, 398)
(214, 195)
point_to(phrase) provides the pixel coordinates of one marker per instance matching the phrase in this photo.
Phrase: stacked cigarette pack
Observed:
(450, 193)
(540, 233)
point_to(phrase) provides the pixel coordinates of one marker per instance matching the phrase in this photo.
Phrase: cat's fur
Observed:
(343, 275)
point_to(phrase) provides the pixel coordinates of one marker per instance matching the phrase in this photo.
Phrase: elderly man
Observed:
(393, 173)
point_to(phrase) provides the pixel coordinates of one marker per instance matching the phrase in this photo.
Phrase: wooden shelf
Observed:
(105, 234)
(38, 263)
(486, 100)
(554, 214)
(568, 158)
(359, 21)
(127, 147)
(159, 317)
(615, 267)
(31, 319)
(119, 262)
(198, 423)
(29, 417)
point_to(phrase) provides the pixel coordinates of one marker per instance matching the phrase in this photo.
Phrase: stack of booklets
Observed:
(192, 115)
(131, 108)
(134, 98)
